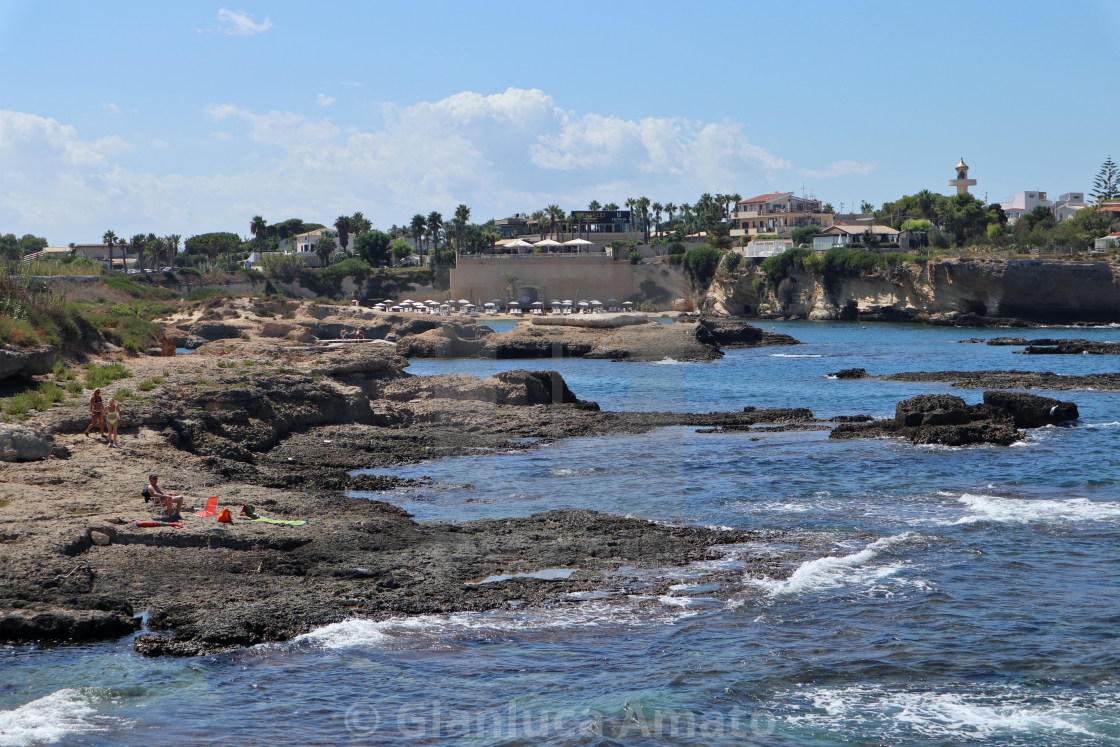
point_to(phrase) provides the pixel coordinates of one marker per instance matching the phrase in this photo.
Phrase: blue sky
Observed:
(191, 117)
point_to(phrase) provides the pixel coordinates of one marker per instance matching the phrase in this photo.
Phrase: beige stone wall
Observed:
(552, 277)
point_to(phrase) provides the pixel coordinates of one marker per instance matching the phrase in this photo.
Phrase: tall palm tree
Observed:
(258, 226)
(344, 225)
(416, 229)
(360, 224)
(435, 223)
(657, 207)
(539, 217)
(642, 203)
(671, 209)
(732, 201)
(631, 205)
(686, 217)
(554, 214)
(139, 246)
(462, 215)
(110, 240)
(594, 205)
(611, 206)
(172, 244)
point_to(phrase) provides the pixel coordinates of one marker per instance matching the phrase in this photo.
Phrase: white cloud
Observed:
(507, 152)
(159, 143)
(111, 107)
(839, 169)
(240, 24)
(324, 100)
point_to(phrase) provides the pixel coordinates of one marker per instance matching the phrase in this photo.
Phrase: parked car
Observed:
(166, 269)
(132, 271)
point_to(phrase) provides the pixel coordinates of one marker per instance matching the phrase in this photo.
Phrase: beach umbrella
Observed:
(554, 302)
(513, 303)
(627, 303)
(547, 242)
(567, 302)
(583, 303)
(464, 302)
(433, 303)
(596, 303)
(519, 243)
(579, 242)
(537, 303)
(406, 302)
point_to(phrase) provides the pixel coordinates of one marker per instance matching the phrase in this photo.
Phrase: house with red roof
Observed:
(777, 212)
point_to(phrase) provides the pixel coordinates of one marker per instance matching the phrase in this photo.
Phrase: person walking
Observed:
(96, 412)
(112, 416)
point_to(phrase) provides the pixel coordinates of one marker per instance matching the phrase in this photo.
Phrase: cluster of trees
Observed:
(147, 247)
(13, 248)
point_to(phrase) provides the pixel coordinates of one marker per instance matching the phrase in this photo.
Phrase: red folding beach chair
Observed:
(210, 510)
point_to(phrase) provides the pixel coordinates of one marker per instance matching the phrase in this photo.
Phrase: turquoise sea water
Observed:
(961, 596)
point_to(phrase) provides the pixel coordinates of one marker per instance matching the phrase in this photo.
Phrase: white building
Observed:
(1064, 207)
(765, 247)
(305, 242)
(842, 235)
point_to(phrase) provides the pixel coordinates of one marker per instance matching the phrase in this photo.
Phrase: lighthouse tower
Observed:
(962, 182)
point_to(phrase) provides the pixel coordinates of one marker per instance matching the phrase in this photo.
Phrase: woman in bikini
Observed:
(96, 410)
(112, 416)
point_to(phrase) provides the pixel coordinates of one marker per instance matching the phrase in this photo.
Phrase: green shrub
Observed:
(98, 376)
(62, 373)
(634, 256)
(732, 261)
(146, 385)
(123, 394)
(75, 388)
(52, 391)
(189, 272)
(701, 264)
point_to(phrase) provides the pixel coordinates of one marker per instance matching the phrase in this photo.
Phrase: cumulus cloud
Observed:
(324, 100)
(838, 169)
(513, 151)
(240, 24)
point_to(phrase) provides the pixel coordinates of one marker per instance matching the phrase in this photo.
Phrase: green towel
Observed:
(267, 520)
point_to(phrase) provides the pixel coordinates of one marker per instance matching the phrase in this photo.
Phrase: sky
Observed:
(177, 117)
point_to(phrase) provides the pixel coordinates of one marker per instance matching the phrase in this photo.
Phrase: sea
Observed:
(954, 596)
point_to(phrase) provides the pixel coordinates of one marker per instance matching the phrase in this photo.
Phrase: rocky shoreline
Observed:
(283, 425)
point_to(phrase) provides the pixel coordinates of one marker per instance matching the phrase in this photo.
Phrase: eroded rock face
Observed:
(19, 443)
(211, 331)
(449, 340)
(34, 362)
(517, 387)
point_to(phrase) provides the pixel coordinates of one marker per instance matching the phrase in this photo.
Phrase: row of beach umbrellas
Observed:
(523, 244)
(496, 303)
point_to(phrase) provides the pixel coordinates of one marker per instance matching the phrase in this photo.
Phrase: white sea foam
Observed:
(422, 629)
(667, 361)
(796, 355)
(52, 718)
(1021, 511)
(863, 568)
(942, 716)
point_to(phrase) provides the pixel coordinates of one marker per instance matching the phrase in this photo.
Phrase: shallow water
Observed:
(978, 601)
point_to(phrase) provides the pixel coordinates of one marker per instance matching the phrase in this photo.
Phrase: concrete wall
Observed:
(558, 277)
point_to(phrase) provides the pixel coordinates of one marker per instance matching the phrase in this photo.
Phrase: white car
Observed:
(165, 269)
(133, 271)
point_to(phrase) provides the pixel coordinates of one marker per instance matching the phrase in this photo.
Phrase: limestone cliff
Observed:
(944, 290)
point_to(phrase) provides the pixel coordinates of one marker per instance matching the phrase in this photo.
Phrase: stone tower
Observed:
(962, 182)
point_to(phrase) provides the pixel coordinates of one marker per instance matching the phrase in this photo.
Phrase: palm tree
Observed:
(539, 218)
(110, 240)
(462, 215)
(686, 217)
(610, 206)
(657, 207)
(642, 203)
(416, 229)
(732, 200)
(554, 214)
(73, 249)
(594, 205)
(139, 245)
(344, 225)
(435, 223)
(259, 228)
(172, 244)
(631, 205)
(360, 224)
(670, 208)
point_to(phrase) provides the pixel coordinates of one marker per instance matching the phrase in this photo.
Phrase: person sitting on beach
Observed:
(112, 416)
(96, 410)
(358, 335)
(172, 503)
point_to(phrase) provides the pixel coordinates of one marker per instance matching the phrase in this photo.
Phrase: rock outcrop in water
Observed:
(947, 420)
(997, 379)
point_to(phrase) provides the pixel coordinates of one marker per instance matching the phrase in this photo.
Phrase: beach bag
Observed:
(224, 516)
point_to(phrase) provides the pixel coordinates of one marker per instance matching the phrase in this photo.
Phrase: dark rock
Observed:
(1030, 410)
(63, 625)
(211, 331)
(1070, 347)
(779, 415)
(736, 333)
(34, 362)
(1000, 434)
(850, 373)
(931, 409)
